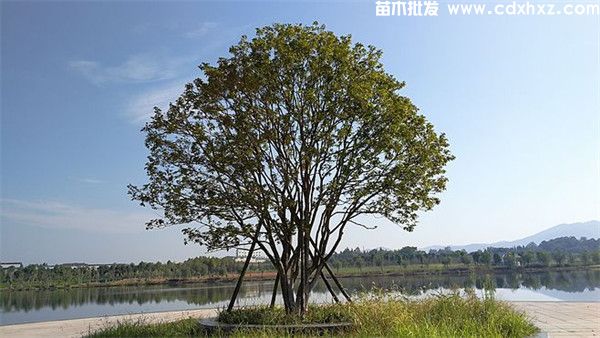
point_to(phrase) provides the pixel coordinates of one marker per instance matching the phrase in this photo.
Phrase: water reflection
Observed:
(567, 281)
(27, 306)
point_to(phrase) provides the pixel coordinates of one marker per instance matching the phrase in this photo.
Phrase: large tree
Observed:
(284, 144)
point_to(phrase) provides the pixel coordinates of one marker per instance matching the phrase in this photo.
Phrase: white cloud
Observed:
(58, 215)
(201, 30)
(136, 69)
(89, 180)
(141, 107)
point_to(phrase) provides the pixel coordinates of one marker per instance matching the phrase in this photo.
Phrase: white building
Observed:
(6, 265)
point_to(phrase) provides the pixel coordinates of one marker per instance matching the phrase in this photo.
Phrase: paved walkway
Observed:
(79, 327)
(555, 319)
(563, 319)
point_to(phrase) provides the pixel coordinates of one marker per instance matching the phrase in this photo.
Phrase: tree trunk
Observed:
(301, 308)
(274, 295)
(287, 293)
(306, 289)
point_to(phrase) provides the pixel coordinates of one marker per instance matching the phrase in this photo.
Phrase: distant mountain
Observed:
(589, 229)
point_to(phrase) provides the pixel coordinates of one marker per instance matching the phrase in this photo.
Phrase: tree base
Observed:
(212, 325)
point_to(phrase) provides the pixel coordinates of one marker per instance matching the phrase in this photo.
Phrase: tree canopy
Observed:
(286, 142)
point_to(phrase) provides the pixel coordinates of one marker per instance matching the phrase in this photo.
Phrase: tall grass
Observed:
(264, 315)
(141, 328)
(373, 315)
(444, 315)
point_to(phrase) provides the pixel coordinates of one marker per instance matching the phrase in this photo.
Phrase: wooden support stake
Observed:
(243, 272)
(326, 266)
(337, 282)
(335, 297)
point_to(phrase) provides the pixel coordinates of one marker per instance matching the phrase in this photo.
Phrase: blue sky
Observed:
(518, 97)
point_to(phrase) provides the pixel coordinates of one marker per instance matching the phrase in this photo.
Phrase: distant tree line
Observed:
(564, 251)
(559, 252)
(45, 276)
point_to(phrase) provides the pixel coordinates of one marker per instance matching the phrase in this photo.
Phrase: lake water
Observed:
(37, 306)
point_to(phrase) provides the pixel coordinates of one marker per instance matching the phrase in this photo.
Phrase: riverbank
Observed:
(566, 319)
(344, 272)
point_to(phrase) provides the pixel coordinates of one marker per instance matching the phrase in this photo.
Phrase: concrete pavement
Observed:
(78, 327)
(563, 319)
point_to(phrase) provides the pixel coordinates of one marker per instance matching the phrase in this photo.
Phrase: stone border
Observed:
(211, 324)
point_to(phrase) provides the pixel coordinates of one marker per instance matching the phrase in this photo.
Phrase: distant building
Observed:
(257, 256)
(80, 265)
(252, 260)
(6, 265)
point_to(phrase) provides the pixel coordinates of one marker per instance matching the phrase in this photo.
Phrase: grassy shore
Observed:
(379, 315)
(393, 270)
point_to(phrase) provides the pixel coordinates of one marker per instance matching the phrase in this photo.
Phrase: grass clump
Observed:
(444, 315)
(264, 315)
(381, 315)
(140, 328)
